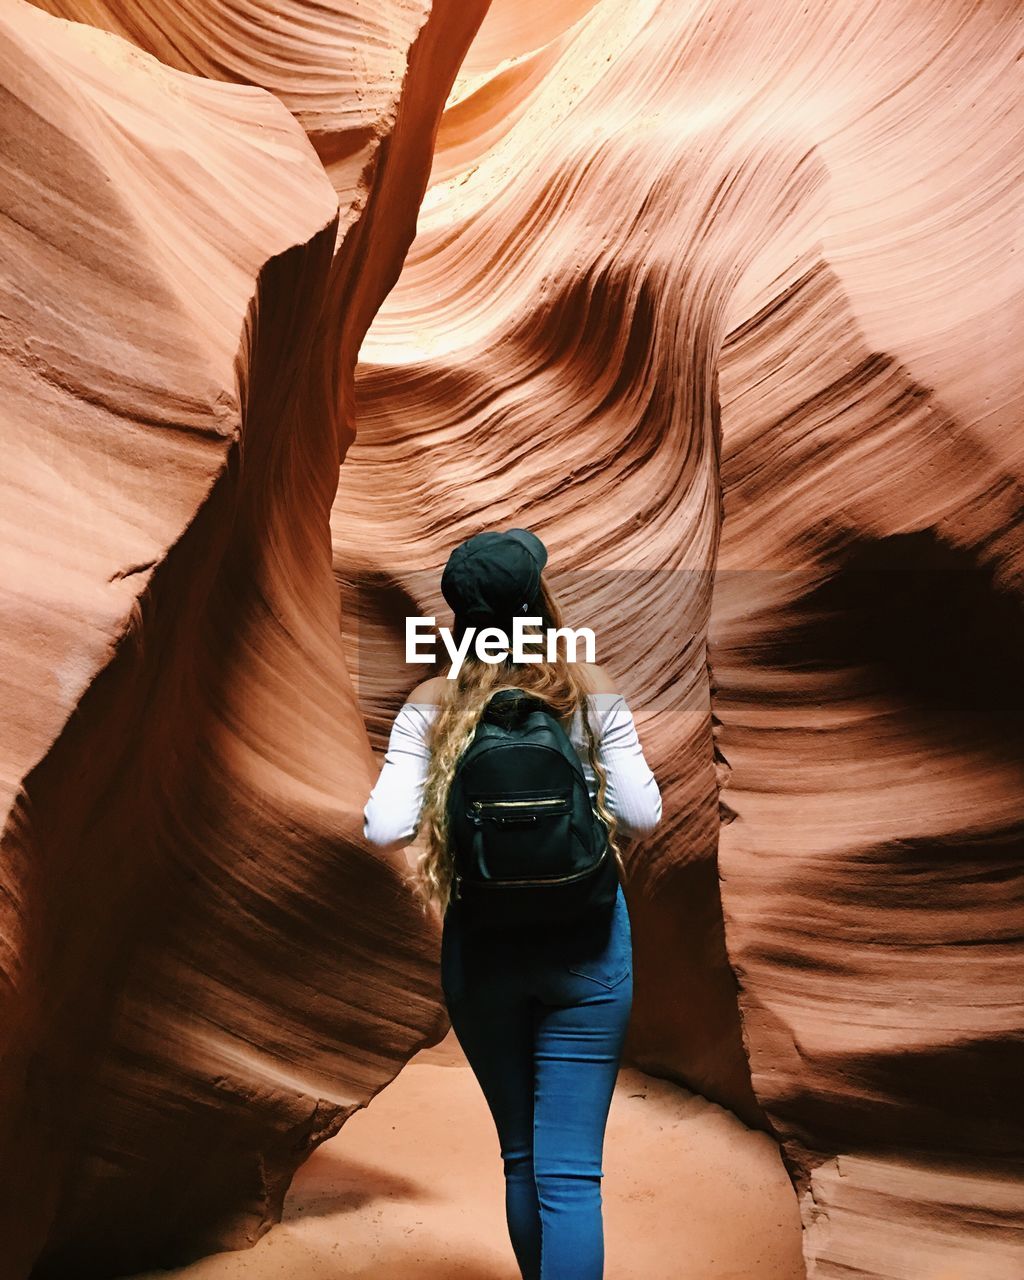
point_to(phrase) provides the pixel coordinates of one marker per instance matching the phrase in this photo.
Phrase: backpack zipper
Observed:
(511, 804)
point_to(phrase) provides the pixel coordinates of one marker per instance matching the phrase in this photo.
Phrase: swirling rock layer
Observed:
(191, 1000)
(719, 298)
(680, 263)
(869, 714)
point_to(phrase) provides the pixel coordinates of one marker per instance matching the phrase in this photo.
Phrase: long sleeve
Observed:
(631, 792)
(392, 813)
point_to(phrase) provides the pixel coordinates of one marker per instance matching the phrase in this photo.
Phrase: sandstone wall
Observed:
(719, 298)
(205, 972)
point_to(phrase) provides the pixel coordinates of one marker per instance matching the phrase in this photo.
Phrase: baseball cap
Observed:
(494, 575)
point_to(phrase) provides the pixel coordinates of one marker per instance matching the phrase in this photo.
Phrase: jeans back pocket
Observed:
(609, 973)
(608, 959)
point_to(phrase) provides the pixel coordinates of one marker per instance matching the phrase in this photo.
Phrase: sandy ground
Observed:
(411, 1189)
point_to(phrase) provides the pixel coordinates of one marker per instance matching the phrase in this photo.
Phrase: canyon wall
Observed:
(192, 1000)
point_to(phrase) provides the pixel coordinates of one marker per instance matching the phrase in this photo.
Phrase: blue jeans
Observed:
(542, 1022)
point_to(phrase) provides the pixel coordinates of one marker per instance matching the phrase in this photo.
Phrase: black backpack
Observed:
(527, 845)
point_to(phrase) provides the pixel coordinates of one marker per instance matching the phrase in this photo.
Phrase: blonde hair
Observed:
(465, 699)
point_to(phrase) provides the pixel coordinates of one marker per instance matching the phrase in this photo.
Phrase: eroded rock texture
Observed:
(762, 262)
(721, 299)
(204, 972)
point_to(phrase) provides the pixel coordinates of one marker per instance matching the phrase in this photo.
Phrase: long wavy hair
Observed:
(465, 698)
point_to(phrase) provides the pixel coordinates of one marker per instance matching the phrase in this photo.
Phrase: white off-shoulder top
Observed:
(392, 813)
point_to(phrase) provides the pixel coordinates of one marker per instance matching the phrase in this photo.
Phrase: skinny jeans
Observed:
(542, 1018)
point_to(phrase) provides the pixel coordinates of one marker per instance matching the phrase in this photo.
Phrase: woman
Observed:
(541, 1017)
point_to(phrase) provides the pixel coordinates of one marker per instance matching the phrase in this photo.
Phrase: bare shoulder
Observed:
(429, 691)
(597, 679)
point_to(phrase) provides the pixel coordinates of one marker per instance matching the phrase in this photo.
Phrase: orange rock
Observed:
(191, 999)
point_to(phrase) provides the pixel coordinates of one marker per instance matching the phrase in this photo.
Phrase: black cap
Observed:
(494, 576)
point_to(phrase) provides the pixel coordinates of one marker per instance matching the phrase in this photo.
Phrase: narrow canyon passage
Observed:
(412, 1188)
(721, 299)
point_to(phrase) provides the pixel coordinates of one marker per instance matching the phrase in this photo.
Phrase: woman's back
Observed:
(631, 793)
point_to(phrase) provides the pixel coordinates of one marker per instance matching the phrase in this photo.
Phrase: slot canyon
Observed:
(723, 298)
